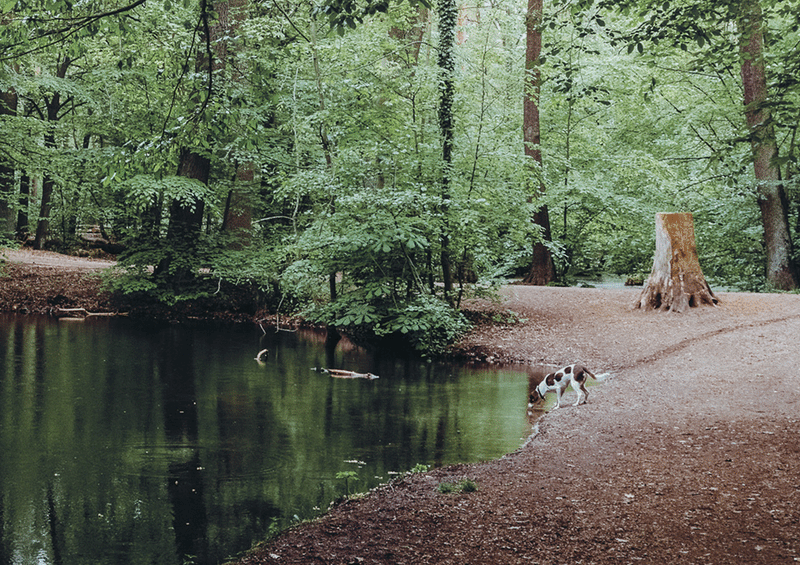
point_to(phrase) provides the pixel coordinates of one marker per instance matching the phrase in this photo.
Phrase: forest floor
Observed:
(689, 454)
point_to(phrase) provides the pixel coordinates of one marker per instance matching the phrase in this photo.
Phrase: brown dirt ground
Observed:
(41, 282)
(688, 455)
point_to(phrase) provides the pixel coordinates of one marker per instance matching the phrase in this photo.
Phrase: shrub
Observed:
(464, 485)
(423, 322)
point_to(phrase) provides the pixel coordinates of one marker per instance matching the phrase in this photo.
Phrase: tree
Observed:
(53, 105)
(8, 107)
(237, 217)
(448, 14)
(676, 282)
(542, 270)
(780, 268)
(194, 162)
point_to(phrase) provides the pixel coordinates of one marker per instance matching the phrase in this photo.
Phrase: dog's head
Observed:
(538, 392)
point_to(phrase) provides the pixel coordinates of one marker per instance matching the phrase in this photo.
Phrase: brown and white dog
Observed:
(559, 381)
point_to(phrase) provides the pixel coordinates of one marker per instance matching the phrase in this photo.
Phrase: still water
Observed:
(130, 444)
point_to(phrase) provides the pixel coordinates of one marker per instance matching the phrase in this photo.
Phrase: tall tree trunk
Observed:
(327, 150)
(542, 270)
(185, 221)
(53, 106)
(43, 225)
(780, 268)
(8, 107)
(186, 215)
(238, 216)
(22, 215)
(448, 13)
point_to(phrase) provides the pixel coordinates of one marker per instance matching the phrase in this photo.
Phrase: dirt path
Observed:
(38, 258)
(689, 455)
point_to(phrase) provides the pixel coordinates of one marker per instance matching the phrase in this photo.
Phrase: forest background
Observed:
(365, 163)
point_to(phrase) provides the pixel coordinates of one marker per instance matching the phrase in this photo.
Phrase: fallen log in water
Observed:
(78, 312)
(343, 374)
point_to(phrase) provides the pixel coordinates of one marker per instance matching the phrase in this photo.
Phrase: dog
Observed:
(559, 381)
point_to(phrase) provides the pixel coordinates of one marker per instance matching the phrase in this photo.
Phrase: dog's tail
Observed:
(601, 377)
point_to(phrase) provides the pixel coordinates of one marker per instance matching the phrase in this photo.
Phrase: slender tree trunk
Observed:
(542, 270)
(8, 107)
(780, 268)
(22, 215)
(448, 13)
(46, 205)
(323, 137)
(238, 217)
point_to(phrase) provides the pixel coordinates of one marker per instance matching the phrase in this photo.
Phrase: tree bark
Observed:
(542, 270)
(780, 268)
(676, 282)
(185, 219)
(448, 12)
(53, 106)
(412, 37)
(22, 215)
(8, 107)
(186, 215)
(238, 215)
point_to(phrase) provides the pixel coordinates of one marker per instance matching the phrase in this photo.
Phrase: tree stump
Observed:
(676, 282)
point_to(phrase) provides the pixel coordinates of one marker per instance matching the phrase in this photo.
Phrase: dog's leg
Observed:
(559, 393)
(583, 394)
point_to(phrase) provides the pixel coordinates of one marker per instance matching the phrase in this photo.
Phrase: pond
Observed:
(129, 444)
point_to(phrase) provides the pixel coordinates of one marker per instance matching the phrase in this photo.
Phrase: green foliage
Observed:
(425, 323)
(640, 110)
(343, 14)
(348, 476)
(462, 486)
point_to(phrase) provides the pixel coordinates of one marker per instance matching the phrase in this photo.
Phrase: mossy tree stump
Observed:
(676, 282)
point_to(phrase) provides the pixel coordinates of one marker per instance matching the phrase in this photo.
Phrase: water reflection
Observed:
(129, 444)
